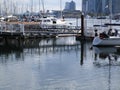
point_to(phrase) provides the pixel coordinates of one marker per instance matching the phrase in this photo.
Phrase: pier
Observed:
(39, 44)
(34, 30)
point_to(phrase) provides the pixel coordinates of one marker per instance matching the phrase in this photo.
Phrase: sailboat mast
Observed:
(32, 6)
(43, 6)
(61, 7)
(39, 5)
(0, 8)
(5, 8)
(110, 9)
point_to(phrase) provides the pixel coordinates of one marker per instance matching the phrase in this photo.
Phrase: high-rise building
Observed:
(101, 7)
(98, 6)
(85, 6)
(70, 6)
(115, 6)
(88, 6)
(67, 5)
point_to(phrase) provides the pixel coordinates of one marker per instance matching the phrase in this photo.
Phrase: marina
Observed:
(59, 45)
(45, 46)
(34, 30)
(64, 62)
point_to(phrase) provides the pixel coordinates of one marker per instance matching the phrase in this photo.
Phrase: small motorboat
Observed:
(110, 38)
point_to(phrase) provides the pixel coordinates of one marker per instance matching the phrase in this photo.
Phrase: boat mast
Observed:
(0, 8)
(110, 9)
(39, 5)
(61, 8)
(5, 8)
(43, 7)
(31, 6)
(12, 7)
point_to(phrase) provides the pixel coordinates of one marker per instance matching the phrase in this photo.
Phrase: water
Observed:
(89, 23)
(58, 64)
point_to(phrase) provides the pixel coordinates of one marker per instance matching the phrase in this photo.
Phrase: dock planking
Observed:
(33, 30)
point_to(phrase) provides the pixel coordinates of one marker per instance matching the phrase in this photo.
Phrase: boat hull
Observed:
(113, 41)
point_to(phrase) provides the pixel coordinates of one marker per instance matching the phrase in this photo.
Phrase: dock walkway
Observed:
(33, 29)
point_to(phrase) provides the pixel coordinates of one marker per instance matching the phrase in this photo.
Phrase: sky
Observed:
(51, 4)
(24, 5)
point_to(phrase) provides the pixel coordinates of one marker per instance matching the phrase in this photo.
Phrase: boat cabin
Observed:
(48, 20)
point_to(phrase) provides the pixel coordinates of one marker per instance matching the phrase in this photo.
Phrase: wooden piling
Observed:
(81, 36)
(82, 26)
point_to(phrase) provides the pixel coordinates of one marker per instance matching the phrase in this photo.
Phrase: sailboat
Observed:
(51, 21)
(109, 37)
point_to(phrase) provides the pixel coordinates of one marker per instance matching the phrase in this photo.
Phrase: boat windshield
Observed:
(46, 20)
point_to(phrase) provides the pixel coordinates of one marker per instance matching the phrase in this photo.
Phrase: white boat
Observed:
(52, 22)
(106, 40)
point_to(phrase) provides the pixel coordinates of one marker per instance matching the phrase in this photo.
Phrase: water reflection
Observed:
(56, 64)
(17, 48)
(107, 56)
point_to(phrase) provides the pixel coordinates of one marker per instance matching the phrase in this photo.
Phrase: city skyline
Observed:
(55, 5)
(36, 5)
(101, 7)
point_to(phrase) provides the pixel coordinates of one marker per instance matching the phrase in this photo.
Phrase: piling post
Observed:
(82, 53)
(82, 27)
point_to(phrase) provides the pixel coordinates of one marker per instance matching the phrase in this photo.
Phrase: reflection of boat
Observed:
(107, 55)
(107, 50)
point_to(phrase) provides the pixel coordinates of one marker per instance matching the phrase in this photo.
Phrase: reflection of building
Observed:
(70, 6)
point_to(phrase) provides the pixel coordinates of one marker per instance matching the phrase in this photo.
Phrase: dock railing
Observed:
(33, 29)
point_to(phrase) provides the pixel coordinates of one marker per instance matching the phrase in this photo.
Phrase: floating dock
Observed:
(34, 30)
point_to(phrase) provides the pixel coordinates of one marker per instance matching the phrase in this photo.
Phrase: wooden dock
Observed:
(34, 30)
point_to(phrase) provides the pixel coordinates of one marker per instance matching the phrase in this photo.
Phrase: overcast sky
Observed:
(50, 4)
(23, 5)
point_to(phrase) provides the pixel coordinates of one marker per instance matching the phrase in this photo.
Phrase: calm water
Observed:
(58, 64)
